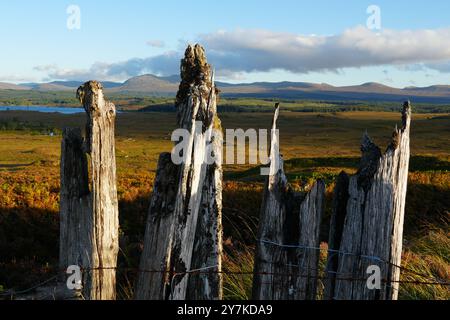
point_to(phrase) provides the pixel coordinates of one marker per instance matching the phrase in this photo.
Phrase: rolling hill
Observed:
(168, 86)
(10, 86)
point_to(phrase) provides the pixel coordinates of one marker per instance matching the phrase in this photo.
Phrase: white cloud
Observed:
(165, 64)
(261, 50)
(241, 51)
(11, 78)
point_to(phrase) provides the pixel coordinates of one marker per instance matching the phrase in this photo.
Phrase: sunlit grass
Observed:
(313, 147)
(237, 267)
(428, 258)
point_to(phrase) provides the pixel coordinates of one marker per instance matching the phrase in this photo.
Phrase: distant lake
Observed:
(64, 110)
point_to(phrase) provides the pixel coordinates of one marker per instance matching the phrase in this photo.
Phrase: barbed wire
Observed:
(205, 271)
(332, 252)
(37, 286)
(302, 272)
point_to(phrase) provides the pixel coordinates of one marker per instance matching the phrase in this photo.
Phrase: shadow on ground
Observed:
(29, 237)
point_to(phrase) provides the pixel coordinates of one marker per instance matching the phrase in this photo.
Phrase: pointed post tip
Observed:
(275, 115)
(406, 107)
(406, 114)
(277, 109)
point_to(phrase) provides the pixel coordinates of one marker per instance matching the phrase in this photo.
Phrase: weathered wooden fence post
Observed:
(340, 198)
(89, 206)
(74, 199)
(370, 229)
(183, 240)
(154, 279)
(286, 261)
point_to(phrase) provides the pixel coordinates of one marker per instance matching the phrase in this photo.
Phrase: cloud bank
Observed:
(239, 51)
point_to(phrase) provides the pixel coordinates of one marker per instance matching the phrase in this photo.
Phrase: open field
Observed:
(313, 145)
(132, 101)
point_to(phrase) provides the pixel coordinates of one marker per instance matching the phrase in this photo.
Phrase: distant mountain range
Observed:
(168, 86)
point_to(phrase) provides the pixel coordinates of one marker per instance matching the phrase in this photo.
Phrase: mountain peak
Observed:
(374, 85)
(151, 84)
(148, 83)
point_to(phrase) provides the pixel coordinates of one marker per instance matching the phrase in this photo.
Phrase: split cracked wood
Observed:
(368, 219)
(285, 267)
(183, 240)
(158, 234)
(89, 207)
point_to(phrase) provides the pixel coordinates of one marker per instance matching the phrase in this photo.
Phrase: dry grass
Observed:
(316, 146)
(238, 265)
(428, 258)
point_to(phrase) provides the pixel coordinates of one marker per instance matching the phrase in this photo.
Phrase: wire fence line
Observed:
(12, 293)
(333, 252)
(243, 273)
(433, 281)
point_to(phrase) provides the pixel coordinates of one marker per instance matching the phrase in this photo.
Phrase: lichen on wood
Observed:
(195, 238)
(156, 255)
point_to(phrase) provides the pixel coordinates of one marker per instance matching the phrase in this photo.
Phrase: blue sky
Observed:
(246, 40)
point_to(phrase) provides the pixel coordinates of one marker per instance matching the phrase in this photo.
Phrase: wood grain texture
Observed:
(287, 218)
(311, 210)
(89, 206)
(194, 242)
(373, 227)
(158, 234)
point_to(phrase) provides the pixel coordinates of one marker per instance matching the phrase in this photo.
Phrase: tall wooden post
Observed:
(74, 199)
(185, 230)
(89, 207)
(372, 232)
(285, 266)
(154, 279)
